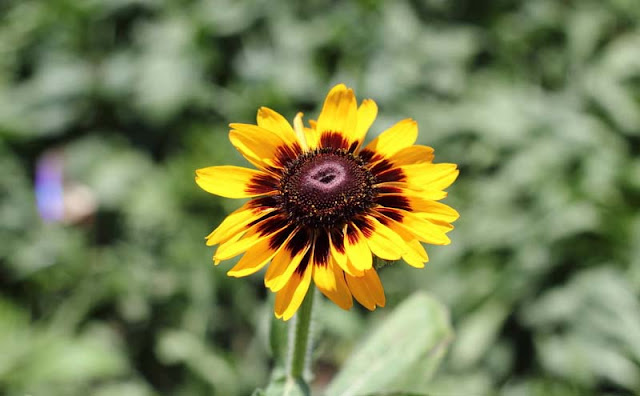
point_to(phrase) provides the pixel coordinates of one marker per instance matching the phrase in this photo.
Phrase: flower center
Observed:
(326, 188)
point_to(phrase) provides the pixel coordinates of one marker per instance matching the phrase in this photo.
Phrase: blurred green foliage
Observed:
(402, 354)
(538, 101)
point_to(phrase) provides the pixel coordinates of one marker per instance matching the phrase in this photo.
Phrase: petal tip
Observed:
(237, 125)
(264, 111)
(369, 101)
(338, 87)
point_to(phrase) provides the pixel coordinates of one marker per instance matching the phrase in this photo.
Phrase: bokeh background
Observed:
(108, 106)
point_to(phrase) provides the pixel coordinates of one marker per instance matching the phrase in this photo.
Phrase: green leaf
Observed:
(280, 385)
(396, 394)
(180, 346)
(402, 354)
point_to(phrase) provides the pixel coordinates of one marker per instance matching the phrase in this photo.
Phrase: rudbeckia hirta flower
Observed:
(322, 205)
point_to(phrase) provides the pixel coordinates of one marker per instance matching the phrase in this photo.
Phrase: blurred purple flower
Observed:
(48, 187)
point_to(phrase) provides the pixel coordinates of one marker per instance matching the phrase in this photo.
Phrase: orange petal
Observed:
(367, 289)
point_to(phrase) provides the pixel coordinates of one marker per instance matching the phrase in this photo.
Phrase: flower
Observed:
(321, 205)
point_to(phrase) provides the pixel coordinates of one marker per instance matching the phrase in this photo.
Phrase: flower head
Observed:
(322, 206)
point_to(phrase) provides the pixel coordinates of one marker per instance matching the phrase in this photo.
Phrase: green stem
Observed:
(300, 338)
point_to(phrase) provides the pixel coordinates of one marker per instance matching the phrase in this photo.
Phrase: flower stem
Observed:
(300, 338)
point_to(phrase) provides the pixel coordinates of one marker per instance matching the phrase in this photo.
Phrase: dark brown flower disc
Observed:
(326, 188)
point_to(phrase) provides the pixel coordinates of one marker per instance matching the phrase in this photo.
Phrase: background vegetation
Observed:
(538, 101)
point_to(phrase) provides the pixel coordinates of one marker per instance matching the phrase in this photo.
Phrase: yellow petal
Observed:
(273, 121)
(429, 176)
(289, 298)
(402, 189)
(313, 138)
(233, 247)
(443, 226)
(255, 258)
(433, 195)
(367, 289)
(235, 238)
(339, 256)
(341, 259)
(323, 276)
(433, 210)
(339, 113)
(228, 181)
(234, 223)
(309, 138)
(423, 229)
(428, 209)
(253, 235)
(367, 113)
(330, 281)
(415, 255)
(301, 133)
(375, 287)
(282, 267)
(258, 145)
(399, 136)
(357, 249)
(412, 155)
(384, 242)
